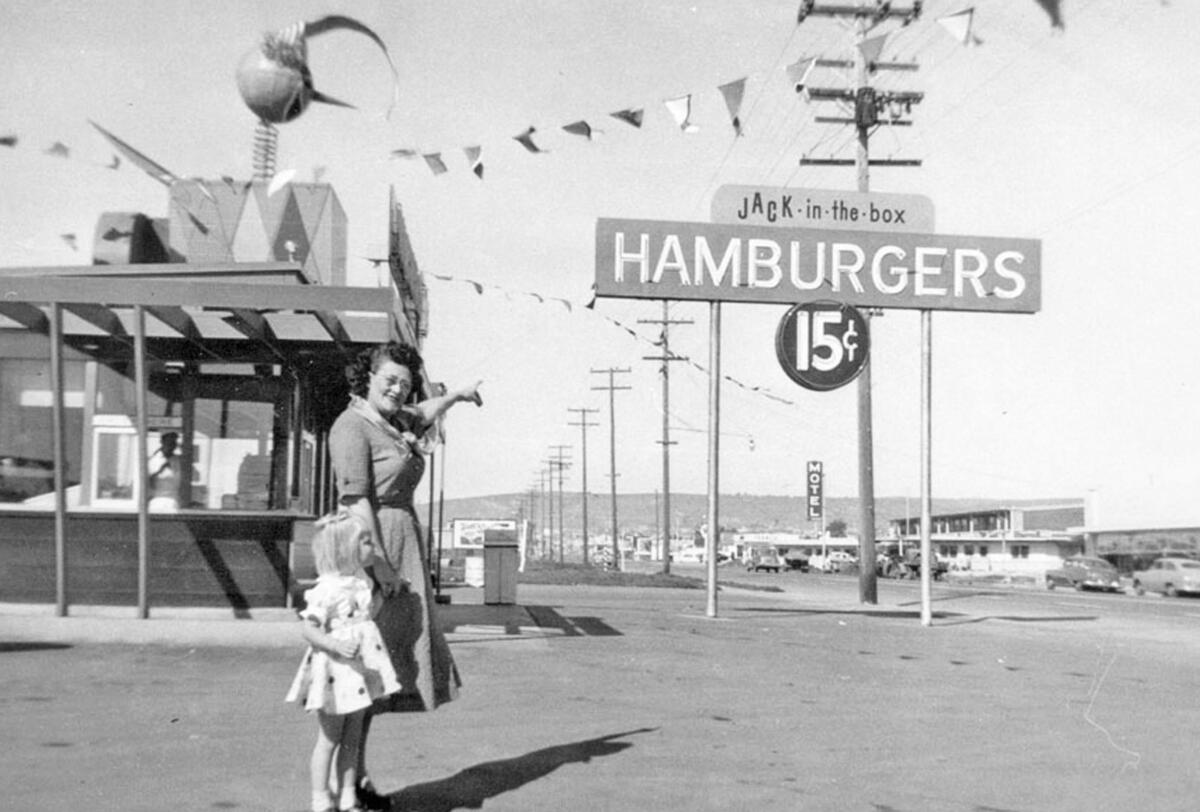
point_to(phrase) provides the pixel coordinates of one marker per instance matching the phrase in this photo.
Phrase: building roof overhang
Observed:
(238, 312)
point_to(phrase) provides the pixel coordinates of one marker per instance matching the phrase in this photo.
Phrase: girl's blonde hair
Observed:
(335, 544)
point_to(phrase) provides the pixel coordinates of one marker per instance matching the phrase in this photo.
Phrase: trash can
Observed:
(500, 562)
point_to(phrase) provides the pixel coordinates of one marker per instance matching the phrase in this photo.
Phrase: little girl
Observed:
(346, 666)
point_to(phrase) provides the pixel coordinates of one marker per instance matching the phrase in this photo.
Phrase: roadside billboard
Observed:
(467, 534)
(659, 259)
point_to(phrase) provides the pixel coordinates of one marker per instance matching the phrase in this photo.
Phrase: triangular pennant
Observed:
(8, 141)
(681, 109)
(405, 153)
(525, 139)
(70, 240)
(1054, 9)
(871, 49)
(961, 25)
(799, 71)
(151, 168)
(435, 163)
(631, 117)
(58, 149)
(733, 93)
(579, 128)
(280, 180)
(473, 154)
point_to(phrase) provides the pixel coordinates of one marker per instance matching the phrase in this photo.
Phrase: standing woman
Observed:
(377, 461)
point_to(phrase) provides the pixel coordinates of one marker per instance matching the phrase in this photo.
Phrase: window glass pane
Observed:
(234, 443)
(115, 465)
(27, 424)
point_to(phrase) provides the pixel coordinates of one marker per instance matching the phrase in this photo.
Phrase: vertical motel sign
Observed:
(815, 486)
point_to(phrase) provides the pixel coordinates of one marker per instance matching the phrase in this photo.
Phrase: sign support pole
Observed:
(867, 584)
(926, 465)
(714, 444)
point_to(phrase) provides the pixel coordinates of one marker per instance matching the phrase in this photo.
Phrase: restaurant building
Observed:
(164, 411)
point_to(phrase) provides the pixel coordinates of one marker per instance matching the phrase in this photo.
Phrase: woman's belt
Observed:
(403, 504)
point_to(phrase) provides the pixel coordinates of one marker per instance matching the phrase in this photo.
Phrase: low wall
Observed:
(196, 558)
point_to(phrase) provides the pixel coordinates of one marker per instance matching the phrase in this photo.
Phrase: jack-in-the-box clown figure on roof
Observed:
(274, 78)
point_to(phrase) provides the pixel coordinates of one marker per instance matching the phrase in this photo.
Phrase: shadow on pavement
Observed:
(6, 648)
(512, 617)
(469, 788)
(954, 618)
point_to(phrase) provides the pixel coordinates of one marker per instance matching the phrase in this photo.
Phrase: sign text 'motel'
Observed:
(656, 259)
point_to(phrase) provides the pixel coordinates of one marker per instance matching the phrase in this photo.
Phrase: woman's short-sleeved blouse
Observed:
(367, 461)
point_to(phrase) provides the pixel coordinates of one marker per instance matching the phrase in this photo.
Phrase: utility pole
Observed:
(612, 388)
(583, 493)
(665, 358)
(559, 464)
(547, 513)
(868, 105)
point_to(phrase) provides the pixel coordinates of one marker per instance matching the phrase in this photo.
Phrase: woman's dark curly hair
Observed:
(359, 372)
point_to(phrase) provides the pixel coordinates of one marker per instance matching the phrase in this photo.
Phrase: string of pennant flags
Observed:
(960, 25)
(480, 287)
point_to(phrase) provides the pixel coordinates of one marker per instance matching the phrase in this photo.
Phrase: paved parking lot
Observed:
(626, 699)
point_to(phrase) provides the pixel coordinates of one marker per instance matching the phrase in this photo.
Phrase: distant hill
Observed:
(639, 512)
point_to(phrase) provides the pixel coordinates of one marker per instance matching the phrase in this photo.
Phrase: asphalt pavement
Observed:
(603, 698)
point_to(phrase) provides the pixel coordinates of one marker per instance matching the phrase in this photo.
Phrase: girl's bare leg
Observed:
(347, 759)
(329, 734)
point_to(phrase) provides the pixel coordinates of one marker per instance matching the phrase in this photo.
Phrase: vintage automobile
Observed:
(766, 560)
(1171, 576)
(1085, 572)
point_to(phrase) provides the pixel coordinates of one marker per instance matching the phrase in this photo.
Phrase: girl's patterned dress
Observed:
(342, 606)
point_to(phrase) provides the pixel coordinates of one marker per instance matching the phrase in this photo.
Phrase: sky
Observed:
(1083, 138)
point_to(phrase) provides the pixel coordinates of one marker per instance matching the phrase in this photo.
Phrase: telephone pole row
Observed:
(612, 389)
(666, 358)
(583, 426)
(558, 464)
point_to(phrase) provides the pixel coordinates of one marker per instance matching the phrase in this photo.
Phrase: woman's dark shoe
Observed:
(370, 798)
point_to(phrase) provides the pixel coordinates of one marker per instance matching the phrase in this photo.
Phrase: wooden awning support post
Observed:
(140, 458)
(58, 432)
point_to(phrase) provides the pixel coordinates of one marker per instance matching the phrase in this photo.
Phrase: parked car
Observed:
(768, 560)
(1085, 572)
(796, 560)
(835, 561)
(1170, 576)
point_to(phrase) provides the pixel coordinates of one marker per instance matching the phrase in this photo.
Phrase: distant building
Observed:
(1024, 540)
(1131, 549)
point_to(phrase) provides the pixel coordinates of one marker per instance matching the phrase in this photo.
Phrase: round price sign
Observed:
(822, 345)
